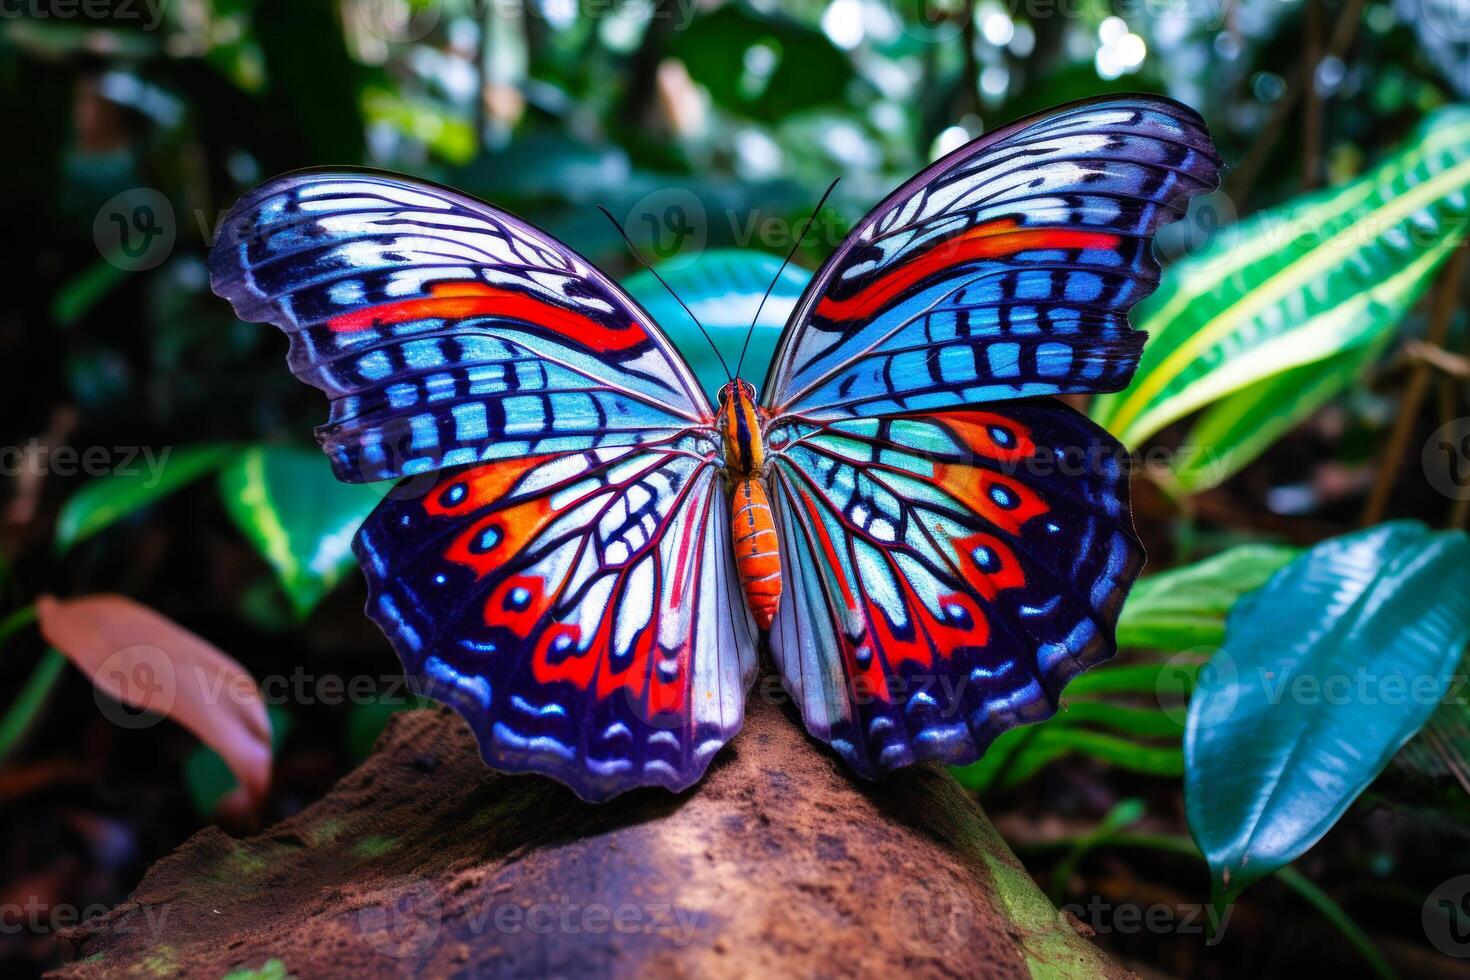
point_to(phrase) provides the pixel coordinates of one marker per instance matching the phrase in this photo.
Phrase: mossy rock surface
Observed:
(425, 863)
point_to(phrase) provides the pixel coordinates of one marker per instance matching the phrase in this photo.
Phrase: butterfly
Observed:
(583, 553)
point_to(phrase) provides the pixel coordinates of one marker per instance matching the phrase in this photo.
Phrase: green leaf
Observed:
(1053, 742)
(85, 290)
(1119, 679)
(1235, 430)
(21, 716)
(723, 287)
(808, 70)
(107, 499)
(1186, 607)
(1325, 673)
(1290, 286)
(298, 516)
(269, 970)
(1021, 753)
(1151, 722)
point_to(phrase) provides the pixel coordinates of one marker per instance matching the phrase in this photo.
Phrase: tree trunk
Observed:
(423, 862)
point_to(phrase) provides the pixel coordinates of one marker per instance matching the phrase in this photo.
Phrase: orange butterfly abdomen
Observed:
(756, 556)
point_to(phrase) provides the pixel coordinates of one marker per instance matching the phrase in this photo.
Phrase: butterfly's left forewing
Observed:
(562, 573)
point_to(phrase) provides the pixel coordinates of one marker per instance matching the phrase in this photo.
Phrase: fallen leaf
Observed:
(152, 664)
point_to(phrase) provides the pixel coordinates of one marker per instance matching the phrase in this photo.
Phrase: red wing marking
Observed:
(991, 240)
(462, 300)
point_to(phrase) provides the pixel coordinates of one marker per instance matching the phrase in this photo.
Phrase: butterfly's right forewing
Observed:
(445, 331)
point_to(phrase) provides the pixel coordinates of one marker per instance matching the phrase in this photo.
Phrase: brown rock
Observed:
(425, 863)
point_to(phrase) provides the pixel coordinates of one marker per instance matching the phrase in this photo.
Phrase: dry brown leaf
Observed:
(150, 663)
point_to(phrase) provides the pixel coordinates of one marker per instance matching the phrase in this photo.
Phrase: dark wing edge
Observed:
(969, 563)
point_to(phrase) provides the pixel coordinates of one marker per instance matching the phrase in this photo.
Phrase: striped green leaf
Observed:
(1183, 608)
(116, 495)
(1295, 285)
(1239, 427)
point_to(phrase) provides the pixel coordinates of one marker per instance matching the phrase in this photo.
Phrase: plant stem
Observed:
(1335, 914)
(1441, 316)
(32, 697)
(16, 621)
(1288, 876)
(29, 702)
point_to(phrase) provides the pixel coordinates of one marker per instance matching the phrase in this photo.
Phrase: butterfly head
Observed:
(735, 392)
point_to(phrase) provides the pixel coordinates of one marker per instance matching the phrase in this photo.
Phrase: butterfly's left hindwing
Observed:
(578, 609)
(947, 573)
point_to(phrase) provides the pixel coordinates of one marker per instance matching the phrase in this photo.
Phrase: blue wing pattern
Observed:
(1005, 270)
(580, 610)
(445, 331)
(949, 573)
(958, 545)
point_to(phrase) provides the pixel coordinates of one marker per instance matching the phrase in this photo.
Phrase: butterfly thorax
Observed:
(740, 432)
(753, 530)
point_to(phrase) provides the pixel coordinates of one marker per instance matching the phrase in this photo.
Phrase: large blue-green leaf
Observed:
(723, 287)
(298, 516)
(1326, 671)
(1290, 286)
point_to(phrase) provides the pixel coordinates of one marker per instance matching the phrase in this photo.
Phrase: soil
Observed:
(425, 863)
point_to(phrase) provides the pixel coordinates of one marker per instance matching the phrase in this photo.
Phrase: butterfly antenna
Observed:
(805, 228)
(644, 262)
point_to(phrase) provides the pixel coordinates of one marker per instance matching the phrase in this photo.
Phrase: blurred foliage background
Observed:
(711, 126)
